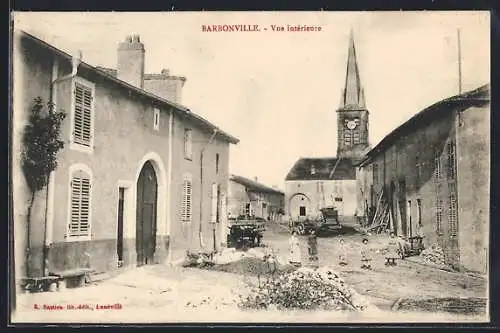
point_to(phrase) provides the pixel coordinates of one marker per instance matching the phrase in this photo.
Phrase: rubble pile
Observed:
(305, 288)
(434, 255)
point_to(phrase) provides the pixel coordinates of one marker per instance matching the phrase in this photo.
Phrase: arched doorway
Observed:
(147, 192)
(299, 207)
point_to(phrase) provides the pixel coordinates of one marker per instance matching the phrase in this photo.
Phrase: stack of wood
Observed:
(382, 219)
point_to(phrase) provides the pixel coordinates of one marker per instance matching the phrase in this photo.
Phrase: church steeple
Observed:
(352, 115)
(352, 94)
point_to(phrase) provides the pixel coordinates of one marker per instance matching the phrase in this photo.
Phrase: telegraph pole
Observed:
(459, 63)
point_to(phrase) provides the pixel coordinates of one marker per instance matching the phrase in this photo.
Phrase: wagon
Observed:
(245, 233)
(327, 223)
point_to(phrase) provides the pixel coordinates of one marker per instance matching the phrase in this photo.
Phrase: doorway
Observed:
(119, 236)
(147, 190)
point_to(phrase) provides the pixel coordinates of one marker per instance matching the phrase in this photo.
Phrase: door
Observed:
(119, 236)
(147, 188)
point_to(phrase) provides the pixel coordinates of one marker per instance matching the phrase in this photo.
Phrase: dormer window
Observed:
(313, 170)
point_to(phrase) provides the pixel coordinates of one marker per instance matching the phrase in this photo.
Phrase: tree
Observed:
(41, 145)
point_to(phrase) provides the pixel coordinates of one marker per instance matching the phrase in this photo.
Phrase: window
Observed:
(156, 119)
(186, 206)
(356, 137)
(452, 210)
(217, 163)
(347, 138)
(451, 160)
(247, 209)
(419, 211)
(302, 211)
(188, 143)
(215, 206)
(338, 199)
(375, 173)
(437, 164)
(418, 167)
(439, 216)
(82, 115)
(80, 202)
(313, 170)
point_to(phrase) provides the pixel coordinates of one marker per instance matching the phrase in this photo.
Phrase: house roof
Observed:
(107, 74)
(323, 168)
(254, 185)
(477, 97)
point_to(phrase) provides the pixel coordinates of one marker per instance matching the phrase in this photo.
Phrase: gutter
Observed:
(169, 186)
(49, 208)
(215, 131)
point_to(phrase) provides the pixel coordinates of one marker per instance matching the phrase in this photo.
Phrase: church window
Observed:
(356, 137)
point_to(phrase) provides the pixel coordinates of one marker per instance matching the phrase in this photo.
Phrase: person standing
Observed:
(295, 256)
(393, 250)
(342, 253)
(365, 255)
(312, 246)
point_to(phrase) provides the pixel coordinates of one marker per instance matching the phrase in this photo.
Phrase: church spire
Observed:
(352, 95)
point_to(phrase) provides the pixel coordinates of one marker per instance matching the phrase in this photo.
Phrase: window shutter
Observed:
(188, 143)
(82, 115)
(186, 205)
(213, 216)
(80, 205)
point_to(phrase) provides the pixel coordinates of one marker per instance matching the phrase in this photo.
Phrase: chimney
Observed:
(256, 179)
(131, 61)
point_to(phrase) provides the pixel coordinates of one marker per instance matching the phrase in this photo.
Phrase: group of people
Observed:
(295, 255)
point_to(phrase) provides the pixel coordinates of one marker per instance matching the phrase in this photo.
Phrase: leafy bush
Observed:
(305, 288)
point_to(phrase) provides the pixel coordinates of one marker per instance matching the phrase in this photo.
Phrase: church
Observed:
(313, 183)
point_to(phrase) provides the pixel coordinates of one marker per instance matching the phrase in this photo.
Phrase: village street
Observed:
(410, 279)
(159, 293)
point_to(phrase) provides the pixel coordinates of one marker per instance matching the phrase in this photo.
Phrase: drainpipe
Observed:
(215, 130)
(49, 208)
(169, 186)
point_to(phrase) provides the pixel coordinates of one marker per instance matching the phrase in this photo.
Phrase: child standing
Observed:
(342, 253)
(365, 255)
(312, 242)
(295, 256)
(392, 250)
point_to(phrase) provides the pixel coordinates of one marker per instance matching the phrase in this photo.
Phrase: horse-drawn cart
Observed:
(245, 233)
(328, 222)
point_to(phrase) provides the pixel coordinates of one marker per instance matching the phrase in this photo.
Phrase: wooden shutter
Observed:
(213, 216)
(82, 125)
(80, 205)
(188, 143)
(186, 205)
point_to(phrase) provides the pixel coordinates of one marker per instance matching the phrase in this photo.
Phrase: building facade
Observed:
(247, 197)
(140, 180)
(433, 171)
(314, 183)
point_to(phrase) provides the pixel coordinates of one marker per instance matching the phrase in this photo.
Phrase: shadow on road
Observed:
(344, 231)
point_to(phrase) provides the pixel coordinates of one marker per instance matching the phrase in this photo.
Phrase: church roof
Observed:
(353, 97)
(323, 168)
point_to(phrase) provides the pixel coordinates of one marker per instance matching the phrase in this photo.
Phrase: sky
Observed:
(278, 92)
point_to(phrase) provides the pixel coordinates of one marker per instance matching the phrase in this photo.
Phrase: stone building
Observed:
(141, 178)
(314, 183)
(250, 197)
(434, 173)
